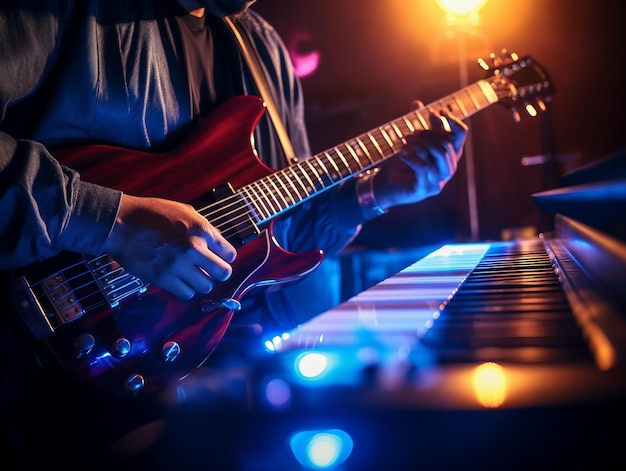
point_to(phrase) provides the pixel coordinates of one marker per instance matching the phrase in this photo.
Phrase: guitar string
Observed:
(94, 280)
(378, 135)
(450, 103)
(235, 201)
(453, 102)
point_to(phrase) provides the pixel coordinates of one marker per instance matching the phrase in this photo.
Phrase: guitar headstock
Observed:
(519, 82)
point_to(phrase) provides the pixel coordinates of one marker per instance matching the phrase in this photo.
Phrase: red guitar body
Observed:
(155, 322)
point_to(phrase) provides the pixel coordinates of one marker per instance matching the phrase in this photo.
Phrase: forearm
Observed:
(45, 208)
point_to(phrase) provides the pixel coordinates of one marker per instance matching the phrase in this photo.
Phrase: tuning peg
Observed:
(516, 116)
(495, 61)
(531, 110)
(505, 54)
(498, 60)
(541, 104)
(483, 64)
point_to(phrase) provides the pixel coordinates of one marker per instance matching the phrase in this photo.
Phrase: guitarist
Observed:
(141, 74)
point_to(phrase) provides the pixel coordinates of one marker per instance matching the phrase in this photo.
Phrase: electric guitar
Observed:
(119, 335)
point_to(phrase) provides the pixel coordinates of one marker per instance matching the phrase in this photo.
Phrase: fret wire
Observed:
(399, 133)
(409, 125)
(344, 159)
(375, 143)
(249, 202)
(483, 100)
(276, 176)
(295, 193)
(324, 169)
(262, 196)
(387, 139)
(401, 124)
(459, 104)
(276, 208)
(371, 143)
(422, 121)
(352, 153)
(262, 210)
(364, 149)
(267, 203)
(306, 175)
(444, 105)
(332, 161)
(277, 191)
(298, 179)
(317, 175)
(472, 99)
(453, 106)
(345, 162)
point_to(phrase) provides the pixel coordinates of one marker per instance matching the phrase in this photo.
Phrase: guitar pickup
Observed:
(114, 282)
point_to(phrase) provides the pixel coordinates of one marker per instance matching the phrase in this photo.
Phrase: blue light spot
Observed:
(324, 449)
(277, 392)
(311, 365)
(315, 449)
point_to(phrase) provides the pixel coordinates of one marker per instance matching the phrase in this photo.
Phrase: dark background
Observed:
(376, 56)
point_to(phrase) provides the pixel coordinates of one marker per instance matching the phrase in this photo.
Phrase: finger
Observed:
(197, 280)
(417, 105)
(435, 153)
(456, 136)
(439, 123)
(178, 287)
(214, 265)
(217, 244)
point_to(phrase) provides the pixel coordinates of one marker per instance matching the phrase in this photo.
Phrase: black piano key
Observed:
(511, 307)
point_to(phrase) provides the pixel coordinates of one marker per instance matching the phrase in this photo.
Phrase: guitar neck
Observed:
(297, 183)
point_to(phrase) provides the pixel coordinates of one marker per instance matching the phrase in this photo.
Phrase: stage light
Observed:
(490, 384)
(461, 7)
(277, 392)
(321, 449)
(311, 365)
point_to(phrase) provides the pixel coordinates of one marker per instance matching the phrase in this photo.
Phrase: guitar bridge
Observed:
(69, 294)
(43, 313)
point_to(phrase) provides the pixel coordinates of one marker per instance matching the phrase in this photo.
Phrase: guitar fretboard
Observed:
(294, 184)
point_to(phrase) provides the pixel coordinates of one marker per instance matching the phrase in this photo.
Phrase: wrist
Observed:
(370, 208)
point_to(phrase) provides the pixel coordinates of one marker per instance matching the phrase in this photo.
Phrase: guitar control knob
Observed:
(134, 382)
(83, 344)
(121, 347)
(170, 350)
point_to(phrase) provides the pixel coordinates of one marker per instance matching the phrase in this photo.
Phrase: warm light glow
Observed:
(490, 384)
(530, 109)
(461, 7)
